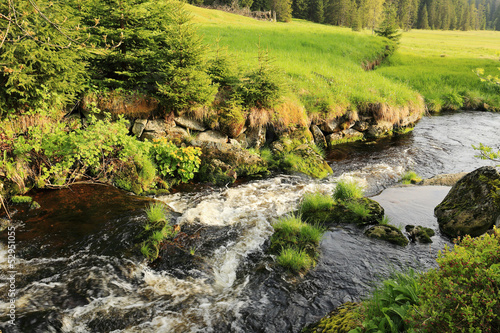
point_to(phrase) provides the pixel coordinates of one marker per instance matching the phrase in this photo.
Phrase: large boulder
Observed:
(473, 204)
(190, 123)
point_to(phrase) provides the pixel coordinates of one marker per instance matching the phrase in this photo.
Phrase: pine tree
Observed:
(40, 56)
(424, 19)
(317, 13)
(182, 82)
(283, 9)
(389, 28)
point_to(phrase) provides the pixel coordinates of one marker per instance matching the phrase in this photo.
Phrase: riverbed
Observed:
(78, 272)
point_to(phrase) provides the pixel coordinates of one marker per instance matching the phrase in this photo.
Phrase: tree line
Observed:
(411, 14)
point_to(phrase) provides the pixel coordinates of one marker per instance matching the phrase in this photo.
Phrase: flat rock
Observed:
(190, 123)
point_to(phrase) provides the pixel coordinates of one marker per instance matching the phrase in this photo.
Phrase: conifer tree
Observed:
(40, 56)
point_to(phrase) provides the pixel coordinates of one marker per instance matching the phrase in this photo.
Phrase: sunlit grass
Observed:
(347, 190)
(295, 260)
(440, 64)
(316, 201)
(322, 64)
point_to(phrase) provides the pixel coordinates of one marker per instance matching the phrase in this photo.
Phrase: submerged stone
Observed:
(473, 204)
(341, 320)
(419, 234)
(387, 233)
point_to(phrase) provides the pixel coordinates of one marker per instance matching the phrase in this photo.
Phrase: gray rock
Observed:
(256, 137)
(380, 129)
(190, 123)
(447, 179)
(351, 133)
(158, 125)
(361, 126)
(473, 204)
(319, 137)
(139, 126)
(212, 136)
(177, 133)
(242, 139)
(330, 126)
(333, 138)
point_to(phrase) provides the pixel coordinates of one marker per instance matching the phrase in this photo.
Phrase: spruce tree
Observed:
(389, 28)
(40, 56)
(183, 83)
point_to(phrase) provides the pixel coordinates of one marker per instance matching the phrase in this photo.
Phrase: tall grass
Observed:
(295, 242)
(347, 190)
(316, 201)
(157, 230)
(440, 65)
(322, 64)
(295, 260)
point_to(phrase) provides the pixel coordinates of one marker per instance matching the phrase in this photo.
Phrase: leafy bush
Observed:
(347, 190)
(172, 161)
(388, 309)
(462, 294)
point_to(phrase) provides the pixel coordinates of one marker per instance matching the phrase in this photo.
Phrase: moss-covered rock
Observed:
(473, 204)
(362, 211)
(135, 174)
(419, 234)
(387, 233)
(341, 320)
(222, 163)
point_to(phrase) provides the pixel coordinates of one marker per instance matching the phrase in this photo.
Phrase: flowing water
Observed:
(78, 270)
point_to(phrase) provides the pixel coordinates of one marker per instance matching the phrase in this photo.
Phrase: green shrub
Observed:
(462, 294)
(264, 87)
(295, 260)
(316, 201)
(410, 177)
(453, 100)
(388, 309)
(347, 190)
(172, 161)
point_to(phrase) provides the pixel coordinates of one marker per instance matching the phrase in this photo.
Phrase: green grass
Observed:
(316, 201)
(156, 230)
(358, 208)
(295, 242)
(347, 190)
(156, 212)
(440, 64)
(410, 177)
(322, 64)
(295, 260)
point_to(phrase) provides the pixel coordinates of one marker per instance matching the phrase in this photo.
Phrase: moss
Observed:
(341, 213)
(387, 233)
(21, 199)
(420, 234)
(403, 130)
(341, 320)
(346, 140)
(216, 172)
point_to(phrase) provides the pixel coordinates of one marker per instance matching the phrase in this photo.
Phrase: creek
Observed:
(77, 270)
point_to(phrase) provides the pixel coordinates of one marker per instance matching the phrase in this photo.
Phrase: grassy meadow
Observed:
(323, 64)
(440, 64)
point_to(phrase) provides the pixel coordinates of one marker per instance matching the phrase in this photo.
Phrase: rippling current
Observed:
(76, 271)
